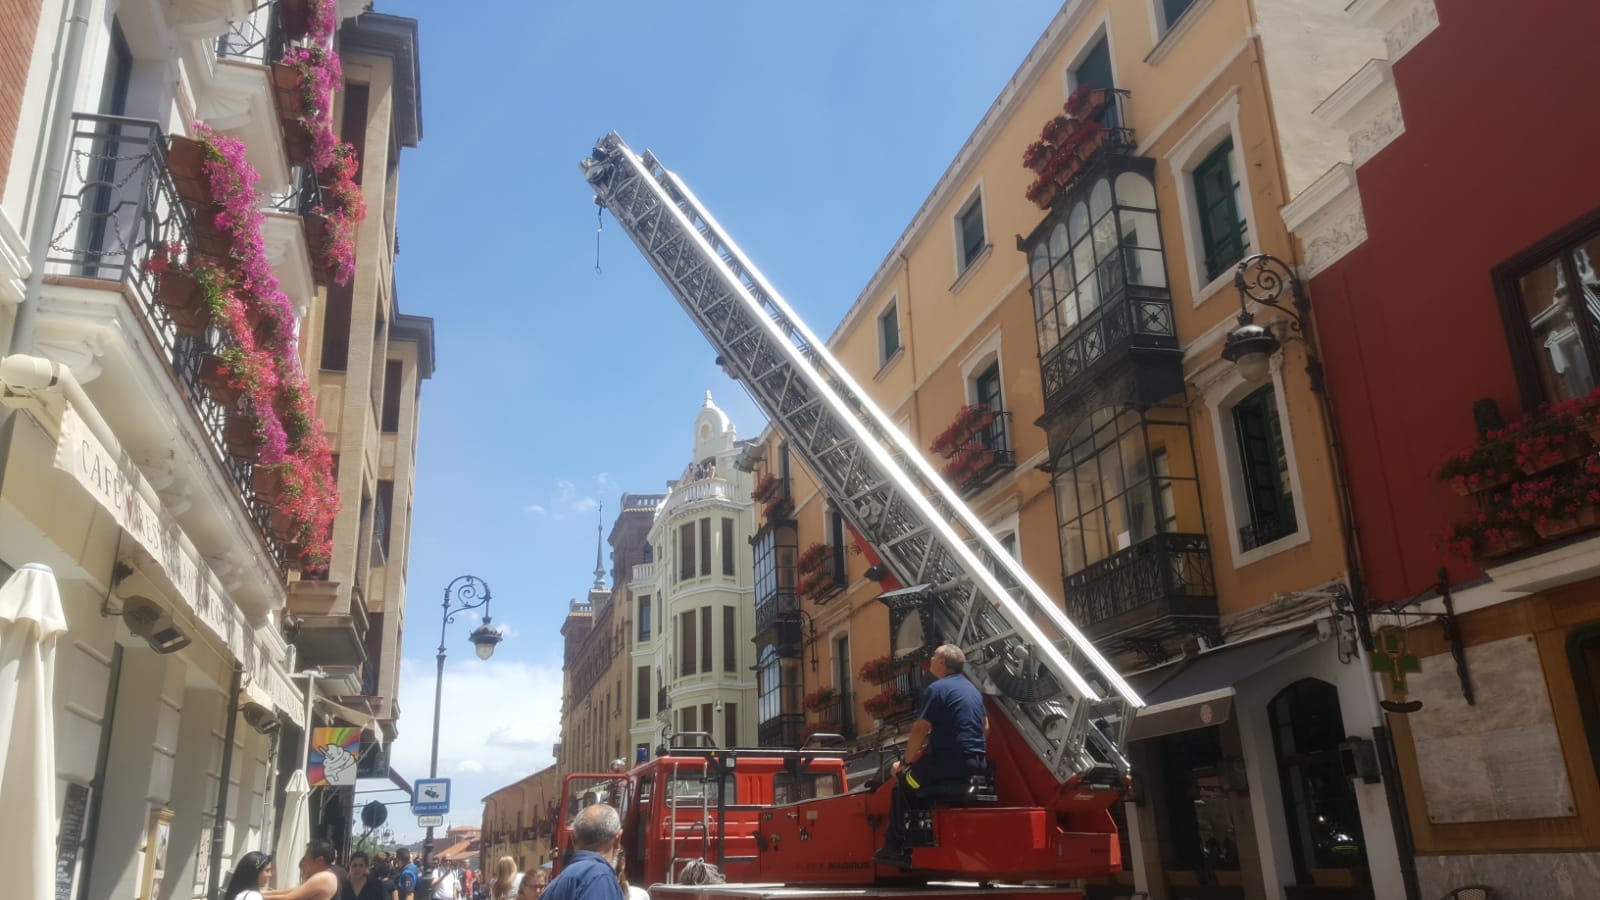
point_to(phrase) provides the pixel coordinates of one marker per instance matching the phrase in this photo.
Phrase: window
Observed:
(1168, 12)
(686, 654)
(686, 551)
(969, 223)
(1094, 67)
(727, 547)
(730, 639)
(382, 518)
(730, 724)
(1553, 313)
(774, 564)
(642, 693)
(691, 719)
(708, 719)
(705, 546)
(1110, 491)
(837, 538)
(1109, 238)
(644, 618)
(705, 639)
(769, 684)
(1223, 234)
(888, 333)
(1264, 467)
(353, 125)
(986, 392)
(393, 370)
(336, 328)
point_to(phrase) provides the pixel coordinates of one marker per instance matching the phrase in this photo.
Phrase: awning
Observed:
(1198, 692)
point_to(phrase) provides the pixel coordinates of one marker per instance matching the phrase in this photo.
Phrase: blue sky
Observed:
(811, 131)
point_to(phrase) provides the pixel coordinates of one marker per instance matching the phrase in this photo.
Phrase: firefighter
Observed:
(948, 742)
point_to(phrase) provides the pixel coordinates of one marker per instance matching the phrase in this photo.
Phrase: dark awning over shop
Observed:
(1198, 692)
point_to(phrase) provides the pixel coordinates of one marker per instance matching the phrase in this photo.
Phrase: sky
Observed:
(813, 132)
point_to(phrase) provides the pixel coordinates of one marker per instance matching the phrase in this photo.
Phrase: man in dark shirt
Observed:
(596, 836)
(948, 742)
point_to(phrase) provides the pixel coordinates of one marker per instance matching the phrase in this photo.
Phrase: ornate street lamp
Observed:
(1262, 279)
(468, 592)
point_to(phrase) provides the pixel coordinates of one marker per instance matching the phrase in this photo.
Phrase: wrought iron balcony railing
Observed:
(783, 730)
(1130, 318)
(304, 196)
(836, 716)
(259, 38)
(781, 605)
(1264, 530)
(984, 457)
(118, 206)
(1162, 584)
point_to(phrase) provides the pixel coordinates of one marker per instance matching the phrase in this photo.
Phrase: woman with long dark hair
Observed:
(250, 877)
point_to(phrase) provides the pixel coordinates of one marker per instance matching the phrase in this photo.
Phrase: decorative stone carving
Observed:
(1376, 133)
(1417, 23)
(1328, 219)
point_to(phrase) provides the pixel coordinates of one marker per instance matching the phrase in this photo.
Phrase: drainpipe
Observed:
(219, 823)
(46, 203)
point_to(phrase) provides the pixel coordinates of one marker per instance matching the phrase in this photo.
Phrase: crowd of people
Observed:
(593, 872)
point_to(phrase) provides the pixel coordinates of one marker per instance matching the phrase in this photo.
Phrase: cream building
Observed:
(692, 656)
(175, 708)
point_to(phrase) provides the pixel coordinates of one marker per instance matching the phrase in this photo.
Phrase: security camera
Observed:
(260, 718)
(149, 621)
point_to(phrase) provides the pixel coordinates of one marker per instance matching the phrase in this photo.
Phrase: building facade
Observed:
(1071, 385)
(690, 652)
(175, 490)
(520, 820)
(1497, 756)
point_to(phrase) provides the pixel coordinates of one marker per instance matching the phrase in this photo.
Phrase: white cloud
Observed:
(499, 721)
(585, 504)
(535, 509)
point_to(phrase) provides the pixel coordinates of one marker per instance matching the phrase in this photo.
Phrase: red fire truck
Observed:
(788, 823)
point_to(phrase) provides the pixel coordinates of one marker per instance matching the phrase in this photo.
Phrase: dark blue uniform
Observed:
(955, 750)
(587, 877)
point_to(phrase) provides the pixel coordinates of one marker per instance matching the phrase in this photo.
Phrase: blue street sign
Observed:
(431, 797)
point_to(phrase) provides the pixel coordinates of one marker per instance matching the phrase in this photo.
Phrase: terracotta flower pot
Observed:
(281, 525)
(214, 377)
(185, 302)
(239, 436)
(1572, 448)
(186, 161)
(318, 237)
(267, 482)
(1509, 542)
(208, 238)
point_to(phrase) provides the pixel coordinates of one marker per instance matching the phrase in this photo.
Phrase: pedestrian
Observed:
(250, 877)
(503, 886)
(320, 878)
(532, 884)
(362, 885)
(948, 742)
(596, 835)
(405, 878)
(445, 884)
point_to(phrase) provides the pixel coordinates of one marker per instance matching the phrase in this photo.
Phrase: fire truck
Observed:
(787, 823)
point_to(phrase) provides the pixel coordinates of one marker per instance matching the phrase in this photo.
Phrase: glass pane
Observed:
(1141, 243)
(1558, 347)
(1111, 486)
(1185, 501)
(1058, 241)
(1134, 189)
(1038, 262)
(1088, 290)
(1105, 236)
(1066, 499)
(1078, 222)
(1066, 296)
(1100, 199)
(1073, 555)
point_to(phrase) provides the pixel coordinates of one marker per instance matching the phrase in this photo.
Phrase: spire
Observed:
(599, 542)
(708, 403)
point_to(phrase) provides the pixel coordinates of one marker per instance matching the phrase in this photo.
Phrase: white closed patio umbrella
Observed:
(293, 832)
(31, 623)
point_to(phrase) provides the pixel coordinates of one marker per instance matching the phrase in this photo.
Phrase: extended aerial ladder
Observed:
(1063, 698)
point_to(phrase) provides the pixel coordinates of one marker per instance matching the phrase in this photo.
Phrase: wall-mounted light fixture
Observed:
(1263, 279)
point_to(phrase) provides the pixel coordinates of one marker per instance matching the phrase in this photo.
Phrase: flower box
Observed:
(287, 94)
(186, 162)
(1505, 542)
(819, 699)
(319, 236)
(879, 670)
(887, 703)
(282, 525)
(1578, 520)
(181, 295)
(1546, 457)
(766, 489)
(240, 437)
(296, 141)
(217, 378)
(779, 508)
(268, 484)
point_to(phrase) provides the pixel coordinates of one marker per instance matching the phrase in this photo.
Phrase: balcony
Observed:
(977, 448)
(331, 630)
(1128, 338)
(118, 205)
(834, 717)
(258, 38)
(775, 615)
(1158, 588)
(784, 730)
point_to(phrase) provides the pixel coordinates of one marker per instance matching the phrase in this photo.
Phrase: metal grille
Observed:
(118, 206)
(1013, 633)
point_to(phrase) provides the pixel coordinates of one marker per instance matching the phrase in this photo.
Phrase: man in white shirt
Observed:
(445, 884)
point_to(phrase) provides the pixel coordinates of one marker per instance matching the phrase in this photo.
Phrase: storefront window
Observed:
(1201, 835)
(1324, 821)
(1125, 476)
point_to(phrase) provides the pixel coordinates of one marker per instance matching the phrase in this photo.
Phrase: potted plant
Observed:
(879, 670)
(1488, 465)
(766, 488)
(1548, 437)
(887, 702)
(819, 699)
(186, 160)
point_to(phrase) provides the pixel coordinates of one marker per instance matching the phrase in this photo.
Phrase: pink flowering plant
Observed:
(323, 20)
(344, 207)
(320, 75)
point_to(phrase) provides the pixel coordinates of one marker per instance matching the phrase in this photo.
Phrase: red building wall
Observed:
(1501, 149)
(19, 23)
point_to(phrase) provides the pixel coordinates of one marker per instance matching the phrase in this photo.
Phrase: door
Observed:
(1320, 802)
(842, 675)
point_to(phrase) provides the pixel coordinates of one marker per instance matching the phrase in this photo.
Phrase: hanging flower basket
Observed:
(217, 378)
(240, 437)
(181, 295)
(269, 485)
(186, 162)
